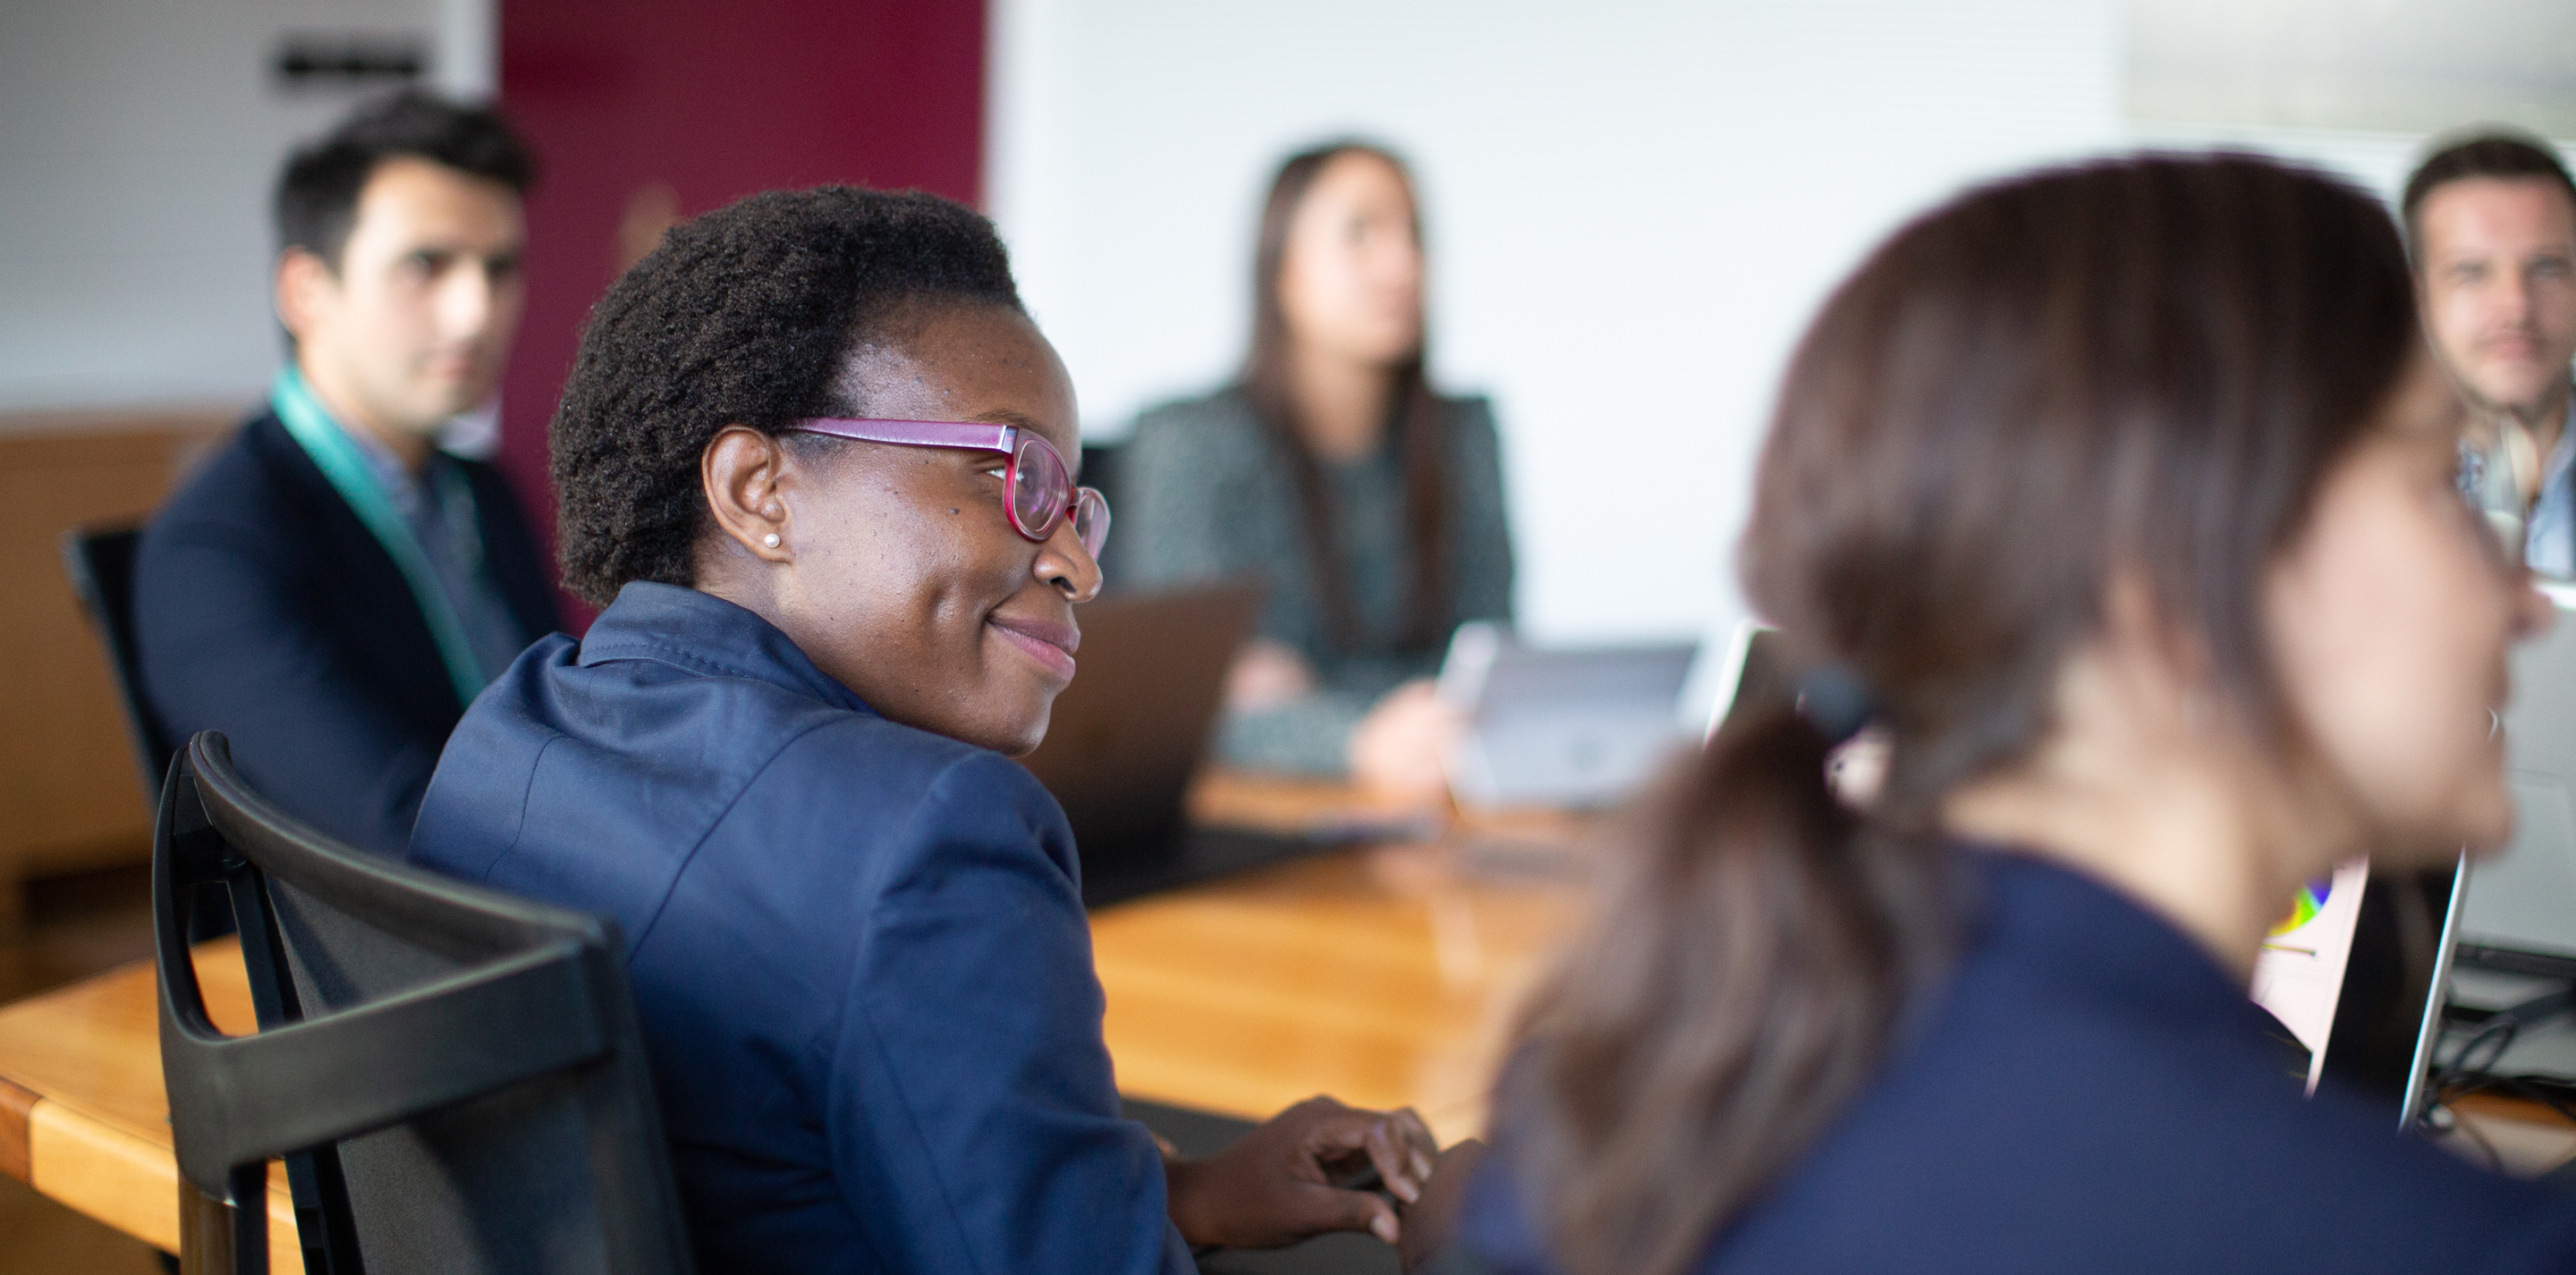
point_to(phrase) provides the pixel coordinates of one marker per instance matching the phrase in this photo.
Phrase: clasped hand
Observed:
(1274, 1185)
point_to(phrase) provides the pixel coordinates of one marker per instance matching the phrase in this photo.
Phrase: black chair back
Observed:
(1104, 469)
(454, 1076)
(100, 562)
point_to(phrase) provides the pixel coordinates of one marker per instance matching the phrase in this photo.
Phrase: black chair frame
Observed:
(544, 994)
(100, 561)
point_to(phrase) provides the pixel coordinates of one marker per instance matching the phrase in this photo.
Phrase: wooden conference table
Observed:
(1383, 976)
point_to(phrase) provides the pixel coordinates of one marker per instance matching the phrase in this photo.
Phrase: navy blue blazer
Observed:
(858, 949)
(264, 609)
(2093, 1093)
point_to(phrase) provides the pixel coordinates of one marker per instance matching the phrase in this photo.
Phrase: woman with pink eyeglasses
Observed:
(817, 464)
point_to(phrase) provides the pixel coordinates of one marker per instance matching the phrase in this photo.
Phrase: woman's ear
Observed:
(743, 472)
(2164, 663)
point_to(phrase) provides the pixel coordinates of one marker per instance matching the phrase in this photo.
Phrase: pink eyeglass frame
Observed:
(983, 436)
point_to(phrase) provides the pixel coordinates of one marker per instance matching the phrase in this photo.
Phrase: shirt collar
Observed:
(2562, 457)
(392, 477)
(706, 635)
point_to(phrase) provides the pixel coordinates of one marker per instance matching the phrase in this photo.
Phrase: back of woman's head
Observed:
(743, 316)
(2145, 366)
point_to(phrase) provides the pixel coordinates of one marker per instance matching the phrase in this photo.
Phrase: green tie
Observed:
(336, 454)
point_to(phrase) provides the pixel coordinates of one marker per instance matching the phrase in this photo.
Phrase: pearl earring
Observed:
(770, 540)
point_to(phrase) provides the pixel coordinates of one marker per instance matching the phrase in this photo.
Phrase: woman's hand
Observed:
(1267, 675)
(1274, 1185)
(1402, 747)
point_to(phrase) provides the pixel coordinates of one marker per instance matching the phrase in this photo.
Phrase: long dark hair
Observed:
(1417, 417)
(2145, 365)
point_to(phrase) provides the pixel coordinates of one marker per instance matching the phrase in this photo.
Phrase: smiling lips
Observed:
(1049, 643)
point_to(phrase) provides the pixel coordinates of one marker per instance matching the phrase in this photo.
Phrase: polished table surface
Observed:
(83, 1118)
(1384, 976)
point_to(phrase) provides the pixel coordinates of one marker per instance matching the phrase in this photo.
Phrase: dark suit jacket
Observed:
(2091, 1092)
(858, 949)
(265, 609)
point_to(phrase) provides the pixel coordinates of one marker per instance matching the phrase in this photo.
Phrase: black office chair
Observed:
(1104, 468)
(100, 562)
(454, 1076)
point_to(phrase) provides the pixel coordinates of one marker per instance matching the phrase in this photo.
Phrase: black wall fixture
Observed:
(349, 61)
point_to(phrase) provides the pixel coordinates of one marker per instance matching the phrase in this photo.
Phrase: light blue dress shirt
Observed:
(2549, 538)
(440, 510)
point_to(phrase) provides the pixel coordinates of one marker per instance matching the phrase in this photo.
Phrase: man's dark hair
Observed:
(317, 194)
(2502, 153)
(744, 316)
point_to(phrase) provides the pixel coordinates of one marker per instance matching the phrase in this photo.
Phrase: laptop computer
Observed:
(2521, 913)
(2353, 974)
(2509, 987)
(1129, 734)
(1562, 727)
(2356, 975)
(1757, 673)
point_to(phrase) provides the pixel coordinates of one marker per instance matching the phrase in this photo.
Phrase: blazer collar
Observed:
(706, 635)
(2083, 932)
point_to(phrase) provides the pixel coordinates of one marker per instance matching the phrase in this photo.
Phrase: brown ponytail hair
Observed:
(2147, 364)
(1417, 423)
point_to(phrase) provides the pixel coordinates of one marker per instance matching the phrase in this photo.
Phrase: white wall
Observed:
(138, 143)
(1632, 205)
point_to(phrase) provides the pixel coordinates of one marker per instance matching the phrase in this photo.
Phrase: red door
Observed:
(642, 110)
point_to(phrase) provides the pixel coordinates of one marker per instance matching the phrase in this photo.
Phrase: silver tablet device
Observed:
(1574, 727)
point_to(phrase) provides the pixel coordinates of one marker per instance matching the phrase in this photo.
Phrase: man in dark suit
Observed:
(331, 589)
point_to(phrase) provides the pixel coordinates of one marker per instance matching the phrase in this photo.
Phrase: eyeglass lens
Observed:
(1041, 492)
(1039, 487)
(1091, 521)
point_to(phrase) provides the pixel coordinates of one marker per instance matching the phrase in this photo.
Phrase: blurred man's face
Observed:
(2499, 263)
(415, 324)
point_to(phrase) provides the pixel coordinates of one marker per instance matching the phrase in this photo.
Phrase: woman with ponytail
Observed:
(2118, 499)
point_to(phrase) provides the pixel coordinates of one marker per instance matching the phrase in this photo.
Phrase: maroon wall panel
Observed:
(711, 100)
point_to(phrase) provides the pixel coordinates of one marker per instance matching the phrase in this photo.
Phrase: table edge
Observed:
(17, 1112)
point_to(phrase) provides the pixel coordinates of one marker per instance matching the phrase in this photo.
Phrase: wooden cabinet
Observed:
(70, 797)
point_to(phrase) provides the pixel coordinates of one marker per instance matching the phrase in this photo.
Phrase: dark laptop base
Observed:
(1129, 734)
(1195, 855)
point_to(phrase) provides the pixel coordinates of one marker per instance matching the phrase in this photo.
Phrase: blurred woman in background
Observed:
(1370, 506)
(2120, 499)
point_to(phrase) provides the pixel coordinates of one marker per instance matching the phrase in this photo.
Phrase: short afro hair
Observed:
(2508, 154)
(744, 316)
(317, 192)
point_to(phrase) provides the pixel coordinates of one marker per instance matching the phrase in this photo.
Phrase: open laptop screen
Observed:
(2352, 974)
(2521, 910)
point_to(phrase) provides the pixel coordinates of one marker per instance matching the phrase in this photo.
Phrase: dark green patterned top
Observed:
(1204, 499)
